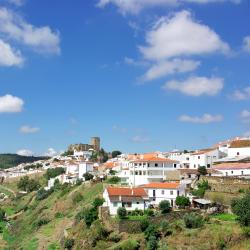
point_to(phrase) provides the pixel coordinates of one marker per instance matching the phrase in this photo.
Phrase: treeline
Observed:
(12, 160)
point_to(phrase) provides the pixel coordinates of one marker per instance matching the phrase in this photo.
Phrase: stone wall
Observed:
(227, 184)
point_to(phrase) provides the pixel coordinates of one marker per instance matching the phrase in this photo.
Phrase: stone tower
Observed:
(96, 143)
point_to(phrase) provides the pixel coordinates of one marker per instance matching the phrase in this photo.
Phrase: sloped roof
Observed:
(162, 185)
(155, 159)
(232, 166)
(203, 151)
(240, 144)
(123, 191)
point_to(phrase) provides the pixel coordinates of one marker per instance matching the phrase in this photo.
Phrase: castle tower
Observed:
(96, 143)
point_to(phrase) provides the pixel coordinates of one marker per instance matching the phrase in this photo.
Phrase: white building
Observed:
(160, 191)
(130, 198)
(144, 171)
(239, 148)
(233, 168)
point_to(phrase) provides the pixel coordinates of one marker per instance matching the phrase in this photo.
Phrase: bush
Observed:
(241, 207)
(2, 215)
(165, 228)
(98, 232)
(122, 212)
(79, 182)
(202, 170)
(89, 215)
(130, 245)
(87, 176)
(152, 243)
(27, 184)
(115, 237)
(98, 202)
(149, 212)
(137, 212)
(69, 243)
(40, 222)
(43, 194)
(54, 172)
(193, 220)
(164, 206)
(182, 201)
(114, 180)
(59, 215)
(144, 224)
(77, 197)
(151, 231)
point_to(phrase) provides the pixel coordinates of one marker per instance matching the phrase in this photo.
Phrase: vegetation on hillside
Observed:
(12, 160)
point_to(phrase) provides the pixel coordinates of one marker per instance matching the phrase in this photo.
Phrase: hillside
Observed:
(51, 222)
(12, 160)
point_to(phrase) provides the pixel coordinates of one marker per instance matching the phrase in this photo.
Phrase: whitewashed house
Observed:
(233, 168)
(144, 171)
(239, 148)
(160, 191)
(129, 198)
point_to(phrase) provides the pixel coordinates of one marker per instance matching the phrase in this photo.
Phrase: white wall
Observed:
(234, 172)
(234, 152)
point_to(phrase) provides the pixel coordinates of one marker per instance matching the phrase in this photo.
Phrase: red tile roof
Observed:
(203, 151)
(232, 166)
(240, 144)
(162, 185)
(155, 159)
(122, 191)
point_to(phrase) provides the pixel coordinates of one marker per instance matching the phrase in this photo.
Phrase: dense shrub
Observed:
(98, 202)
(182, 201)
(202, 187)
(122, 212)
(193, 220)
(89, 215)
(40, 222)
(43, 194)
(152, 243)
(27, 184)
(69, 243)
(144, 224)
(79, 182)
(98, 232)
(2, 215)
(137, 212)
(202, 170)
(164, 206)
(241, 207)
(54, 172)
(114, 180)
(130, 244)
(87, 176)
(149, 212)
(115, 237)
(165, 228)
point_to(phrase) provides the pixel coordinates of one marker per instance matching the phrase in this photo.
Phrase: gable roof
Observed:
(162, 185)
(240, 144)
(123, 191)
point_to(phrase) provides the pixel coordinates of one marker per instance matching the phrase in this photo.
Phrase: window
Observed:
(135, 164)
(242, 172)
(194, 165)
(238, 153)
(199, 157)
(226, 173)
(174, 165)
(171, 192)
(162, 192)
(156, 164)
(189, 176)
(232, 172)
(208, 165)
(187, 158)
(154, 193)
(115, 204)
(137, 202)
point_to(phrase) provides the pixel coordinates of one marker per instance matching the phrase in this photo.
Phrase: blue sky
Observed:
(142, 75)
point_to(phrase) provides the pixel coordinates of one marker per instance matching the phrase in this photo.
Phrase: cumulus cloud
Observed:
(164, 68)
(40, 39)
(245, 116)
(9, 56)
(16, 2)
(204, 119)
(181, 35)
(246, 44)
(196, 86)
(28, 129)
(135, 6)
(11, 104)
(241, 95)
(51, 152)
(25, 152)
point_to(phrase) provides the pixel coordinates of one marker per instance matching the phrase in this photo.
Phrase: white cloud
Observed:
(41, 39)
(51, 152)
(139, 139)
(164, 68)
(29, 130)
(131, 61)
(247, 134)
(181, 35)
(119, 129)
(135, 6)
(25, 152)
(204, 119)
(16, 2)
(246, 44)
(241, 95)
(8, 56)
(245, 116)
(196, 86)
(11, 104)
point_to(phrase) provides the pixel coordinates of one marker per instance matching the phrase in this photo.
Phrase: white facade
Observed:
(236, 152)
(146, 171)
(234, 172)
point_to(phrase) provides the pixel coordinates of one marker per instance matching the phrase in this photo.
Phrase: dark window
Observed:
(154, 193)
(156, 164)
(238, 153)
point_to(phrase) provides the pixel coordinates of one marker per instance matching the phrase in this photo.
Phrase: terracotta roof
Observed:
(203, 151)
(162, 185)
(156, 159)
(232, 166)
(240, 144)
(122, 191)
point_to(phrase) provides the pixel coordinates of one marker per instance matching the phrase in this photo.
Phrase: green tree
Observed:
(182, 201)
(27, 184)
(193, 220)
(241, 207)
(54, 172)
(202, 170)
(98, 202)
(164, 206)
(116, 153)
(87, 176)
(122, 212)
